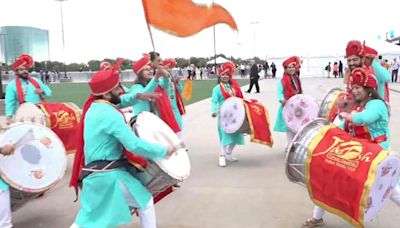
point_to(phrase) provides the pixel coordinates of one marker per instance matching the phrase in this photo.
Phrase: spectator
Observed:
(335, 69)
(340, 69)
(273, 69)
(254, 77)
(395, 70)
(328, 69)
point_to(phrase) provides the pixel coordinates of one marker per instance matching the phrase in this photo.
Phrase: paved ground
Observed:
(253, 192)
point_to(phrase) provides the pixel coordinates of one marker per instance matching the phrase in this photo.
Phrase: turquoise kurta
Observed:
(382, 77)
(216, 101)
(375, 117)
(280, 124)
(103, 202)
(3, 185)
(138, 105)
(11, 101)
(169, 86)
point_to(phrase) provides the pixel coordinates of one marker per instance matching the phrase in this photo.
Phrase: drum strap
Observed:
(99, 166)
(103, 166)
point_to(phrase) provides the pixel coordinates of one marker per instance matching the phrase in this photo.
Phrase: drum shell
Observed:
(328, 103)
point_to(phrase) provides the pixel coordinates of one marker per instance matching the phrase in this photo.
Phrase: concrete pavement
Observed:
(253, 192)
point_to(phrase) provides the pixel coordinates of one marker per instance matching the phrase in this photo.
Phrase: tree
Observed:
(94, 65)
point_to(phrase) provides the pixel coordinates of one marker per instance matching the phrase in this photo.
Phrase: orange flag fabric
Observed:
(183, 17)
(258, 118)
(187, 90)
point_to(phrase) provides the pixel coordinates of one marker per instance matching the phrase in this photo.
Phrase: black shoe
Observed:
(176, 186)
(247, 91)
(258, 92)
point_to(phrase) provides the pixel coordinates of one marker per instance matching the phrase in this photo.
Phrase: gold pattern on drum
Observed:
(345, 154)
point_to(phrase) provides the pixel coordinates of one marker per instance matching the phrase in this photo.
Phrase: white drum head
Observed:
(232, 115)
(39, 160)
(28, 112)
(128, 113)
(152, 129)
(299, 110)
(386, 178)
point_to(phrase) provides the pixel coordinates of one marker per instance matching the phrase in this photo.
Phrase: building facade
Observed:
(17, 40)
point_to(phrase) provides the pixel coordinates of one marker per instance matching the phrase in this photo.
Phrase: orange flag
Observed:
(183, 17)
(187, 90)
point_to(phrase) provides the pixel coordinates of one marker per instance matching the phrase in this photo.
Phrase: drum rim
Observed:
(163, 168)
(56, 181)
(324, 113)
(295, 97)
(287, 150)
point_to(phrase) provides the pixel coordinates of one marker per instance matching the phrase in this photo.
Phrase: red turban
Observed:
(355, 47)
(292, 60)
(170, 63)
(361, 77)
(103, 82)
(229, 68)
(370, 51)
(23, 61)
(141, 63)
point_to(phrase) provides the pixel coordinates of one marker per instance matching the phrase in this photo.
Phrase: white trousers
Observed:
(395, 197)
(227, 149)
(180, 135)
(5, 209)
(147, 215)
(289, 136)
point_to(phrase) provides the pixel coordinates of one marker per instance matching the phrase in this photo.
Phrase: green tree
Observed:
(94, 65)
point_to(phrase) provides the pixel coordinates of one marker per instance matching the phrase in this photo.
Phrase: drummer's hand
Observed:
(214, 115)
(7, 149)
(345, 116)
(9, 120)
(160, 72)
(39, 91)
(170, 151)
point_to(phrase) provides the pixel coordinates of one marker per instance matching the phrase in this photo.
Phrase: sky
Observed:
(98, 29)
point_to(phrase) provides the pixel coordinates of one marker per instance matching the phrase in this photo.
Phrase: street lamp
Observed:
(255, 23)
(62, 32)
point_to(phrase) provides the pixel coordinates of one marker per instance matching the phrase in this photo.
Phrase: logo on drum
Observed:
(345, 154)
(37, 174)
(65, 119)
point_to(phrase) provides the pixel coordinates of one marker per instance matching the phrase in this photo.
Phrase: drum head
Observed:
(386, 178)
(299, 110)
(28, 112)
(39, 160)
(152, 129)
(232, 115)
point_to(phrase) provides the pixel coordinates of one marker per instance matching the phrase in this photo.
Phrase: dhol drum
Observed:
(38, 163)
(28, 112)
(329, 109)
(233, 117)
(379, 179)
(62, 118)
(299, 110)
(161, 173)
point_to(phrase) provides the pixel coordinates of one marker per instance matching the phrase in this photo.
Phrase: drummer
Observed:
(174, 88)
(288, 86)
(227, 87)
(368, 120)
(107, 196)
(23, 88)
(5, 205)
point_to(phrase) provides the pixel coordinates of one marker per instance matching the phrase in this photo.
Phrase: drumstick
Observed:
(28, 136)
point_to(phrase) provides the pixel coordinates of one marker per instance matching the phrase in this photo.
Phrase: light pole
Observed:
(255, 23)
(3, 49)
(62, 32)
(215, 47)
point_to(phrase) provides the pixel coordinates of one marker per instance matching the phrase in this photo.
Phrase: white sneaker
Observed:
(230, 157)
(222, 161)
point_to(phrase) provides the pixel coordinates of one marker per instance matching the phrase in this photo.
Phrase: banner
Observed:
(339, 172)
(63, 119)
(258, 118)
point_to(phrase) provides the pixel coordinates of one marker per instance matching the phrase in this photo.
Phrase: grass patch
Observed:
(78, 92)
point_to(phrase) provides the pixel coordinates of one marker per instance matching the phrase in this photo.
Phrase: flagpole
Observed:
(151, 36)
(215, 47)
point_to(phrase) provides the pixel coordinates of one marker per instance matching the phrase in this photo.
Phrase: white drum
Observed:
(28, 112)
(233, 117)
(161, 173)
(38, 163)
(299, 110)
